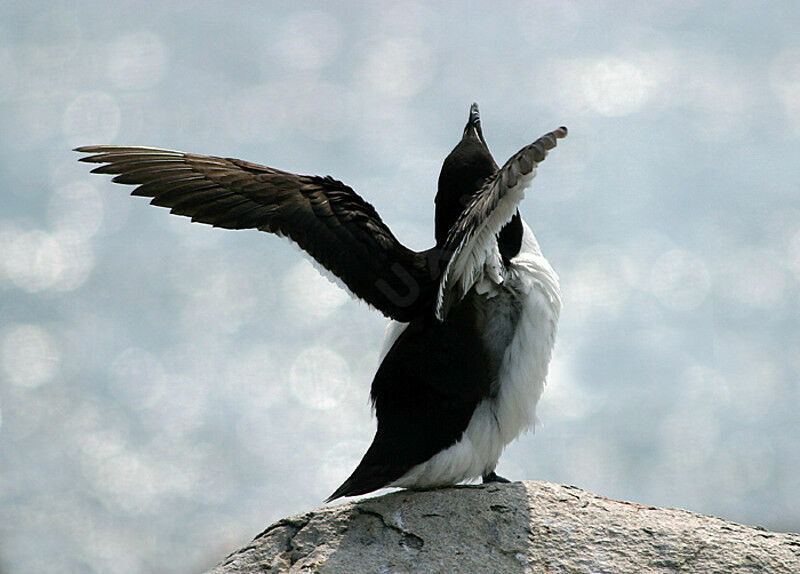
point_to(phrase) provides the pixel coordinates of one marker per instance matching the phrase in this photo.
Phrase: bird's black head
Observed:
(463, 173)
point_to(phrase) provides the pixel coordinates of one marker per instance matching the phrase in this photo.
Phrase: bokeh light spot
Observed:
(565, 398)
(30, 355)
(92, 117)
(615, 87)
(398, 67)
(310, 295)
(76, 209)
(610, 86)
(308, 40)
(54, 37)
(320, 378)
(35, 260)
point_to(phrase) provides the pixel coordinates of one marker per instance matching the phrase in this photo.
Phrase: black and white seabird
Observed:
(473, 318)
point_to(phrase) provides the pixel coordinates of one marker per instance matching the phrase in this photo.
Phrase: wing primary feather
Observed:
(194, 198)
(152, 189)
(148, 174)
(127, 165)
(494, 205)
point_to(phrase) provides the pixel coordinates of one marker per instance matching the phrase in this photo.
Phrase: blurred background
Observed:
(167, 390)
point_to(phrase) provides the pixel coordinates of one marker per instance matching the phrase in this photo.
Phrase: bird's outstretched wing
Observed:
(472, 238)
(323, 216)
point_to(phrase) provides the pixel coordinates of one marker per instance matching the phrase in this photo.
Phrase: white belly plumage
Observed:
(501, 418)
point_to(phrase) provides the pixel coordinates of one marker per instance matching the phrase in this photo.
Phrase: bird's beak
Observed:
(473, 127)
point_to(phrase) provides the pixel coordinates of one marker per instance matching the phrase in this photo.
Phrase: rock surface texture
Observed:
(517, 527)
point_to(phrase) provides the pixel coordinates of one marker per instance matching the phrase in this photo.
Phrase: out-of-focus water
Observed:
(167, 390)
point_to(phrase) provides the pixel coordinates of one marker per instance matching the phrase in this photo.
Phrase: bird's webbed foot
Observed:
(494, 477)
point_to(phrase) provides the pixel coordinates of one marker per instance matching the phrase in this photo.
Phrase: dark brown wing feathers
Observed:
(323, 216)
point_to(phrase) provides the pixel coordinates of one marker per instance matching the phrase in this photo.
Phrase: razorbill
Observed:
(473, 318)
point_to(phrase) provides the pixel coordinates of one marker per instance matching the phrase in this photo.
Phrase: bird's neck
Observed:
(448, 207)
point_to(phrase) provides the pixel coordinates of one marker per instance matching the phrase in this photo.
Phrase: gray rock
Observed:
(517, 527)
